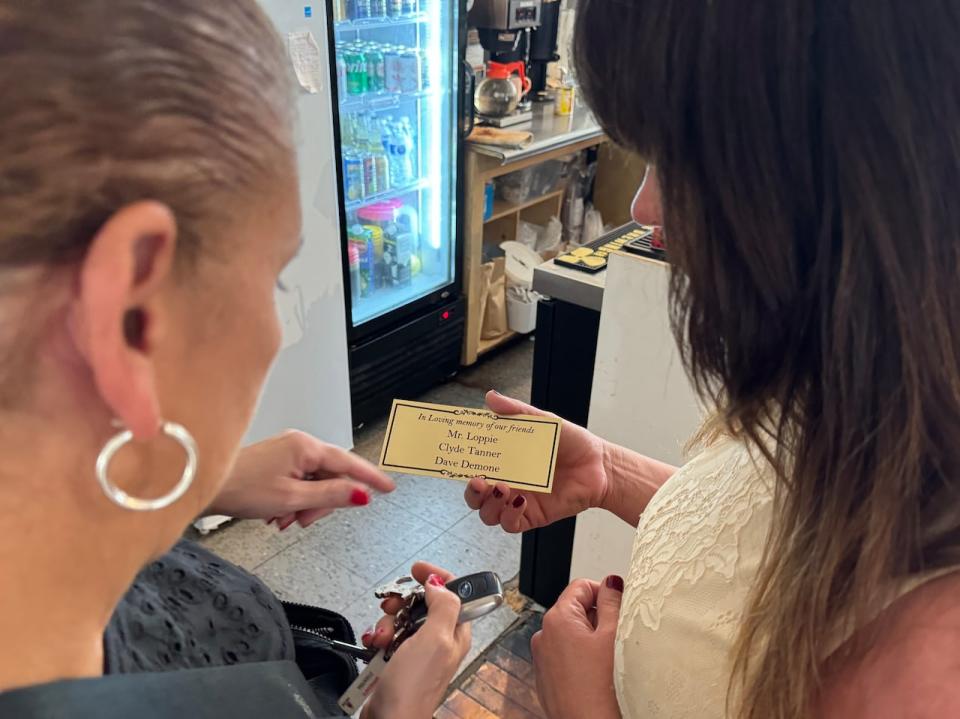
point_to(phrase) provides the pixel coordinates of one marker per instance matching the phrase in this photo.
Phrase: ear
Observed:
(647, 207)
(118, 317)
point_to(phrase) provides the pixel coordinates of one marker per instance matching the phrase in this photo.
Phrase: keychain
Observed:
(479, 595)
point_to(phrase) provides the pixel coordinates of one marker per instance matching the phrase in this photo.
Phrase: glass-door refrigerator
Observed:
(400, 92)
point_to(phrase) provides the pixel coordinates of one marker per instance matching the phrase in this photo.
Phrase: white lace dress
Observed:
(695, 557)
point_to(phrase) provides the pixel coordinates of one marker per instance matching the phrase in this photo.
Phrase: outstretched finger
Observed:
(327, 460)
(329, 494)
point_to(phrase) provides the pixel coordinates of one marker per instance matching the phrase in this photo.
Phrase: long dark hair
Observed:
(809, 158)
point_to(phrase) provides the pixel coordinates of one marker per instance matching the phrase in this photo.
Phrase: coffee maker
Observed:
(504, 28)
(543, 49)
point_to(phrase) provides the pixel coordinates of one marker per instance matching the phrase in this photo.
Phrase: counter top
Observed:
(577, 288)
(550, 131)
(580, 288)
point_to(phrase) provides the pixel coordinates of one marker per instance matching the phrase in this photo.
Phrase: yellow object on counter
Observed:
(566, 100)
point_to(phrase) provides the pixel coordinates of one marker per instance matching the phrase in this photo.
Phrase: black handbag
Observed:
(328, 672)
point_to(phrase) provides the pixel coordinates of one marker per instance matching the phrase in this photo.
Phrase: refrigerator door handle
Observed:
(470, 92)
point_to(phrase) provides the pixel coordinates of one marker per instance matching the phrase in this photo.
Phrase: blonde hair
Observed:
(106, 102)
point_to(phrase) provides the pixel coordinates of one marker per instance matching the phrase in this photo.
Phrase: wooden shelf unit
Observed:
(502, 208)
(502, 225)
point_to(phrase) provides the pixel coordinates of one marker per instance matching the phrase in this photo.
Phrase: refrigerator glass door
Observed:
(397, 69)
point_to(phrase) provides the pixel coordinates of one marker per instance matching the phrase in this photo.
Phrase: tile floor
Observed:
(339, 561)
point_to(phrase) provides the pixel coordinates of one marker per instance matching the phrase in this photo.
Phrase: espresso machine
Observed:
(505, 28)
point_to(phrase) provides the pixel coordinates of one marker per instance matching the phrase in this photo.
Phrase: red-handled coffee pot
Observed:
(502, 89)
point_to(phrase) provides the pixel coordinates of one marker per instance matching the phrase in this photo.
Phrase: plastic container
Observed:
(515, 186)
(522, 311)
(521, 262)
(488, 196)
(530, 182)
(566, 100)
(545, 177)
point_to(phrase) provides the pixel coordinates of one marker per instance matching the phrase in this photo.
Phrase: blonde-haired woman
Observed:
(149, 201)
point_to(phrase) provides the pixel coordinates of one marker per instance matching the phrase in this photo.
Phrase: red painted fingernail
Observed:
(436, 580)
(518, 502)
(497, 493)
(359, 498)
(286, 524)
(367, 635)
(615, 582)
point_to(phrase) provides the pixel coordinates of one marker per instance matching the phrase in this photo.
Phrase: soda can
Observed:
(383, 171)
(362, 239)
(394, 8)
(391, 65)
(409, 71)
(341, 76)
(356, 63)
(409, 7)
(378, 8)
(369, 176)
(353, 178)
(376, 70)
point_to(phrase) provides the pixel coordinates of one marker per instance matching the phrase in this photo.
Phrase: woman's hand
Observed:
(417, 676)
(573, 653)
(580, 482)
(294, 477)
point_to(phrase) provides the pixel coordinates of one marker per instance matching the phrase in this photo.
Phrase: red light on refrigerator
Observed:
(445, 315)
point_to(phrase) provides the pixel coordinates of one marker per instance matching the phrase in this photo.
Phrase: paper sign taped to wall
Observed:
(307, 60)
(460, 443)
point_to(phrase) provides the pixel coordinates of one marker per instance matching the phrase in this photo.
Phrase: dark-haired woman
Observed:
(804, 564)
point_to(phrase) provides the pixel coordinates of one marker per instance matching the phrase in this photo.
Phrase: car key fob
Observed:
(479, 594)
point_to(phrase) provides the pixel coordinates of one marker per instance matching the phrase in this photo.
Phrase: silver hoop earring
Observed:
(116, 495)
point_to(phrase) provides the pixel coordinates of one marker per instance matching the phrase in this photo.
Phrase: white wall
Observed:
(309, 385)
(641, 398)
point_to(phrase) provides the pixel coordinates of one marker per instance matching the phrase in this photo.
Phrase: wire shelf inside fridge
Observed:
(388, 195)
(379, 101)
(379, 23)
